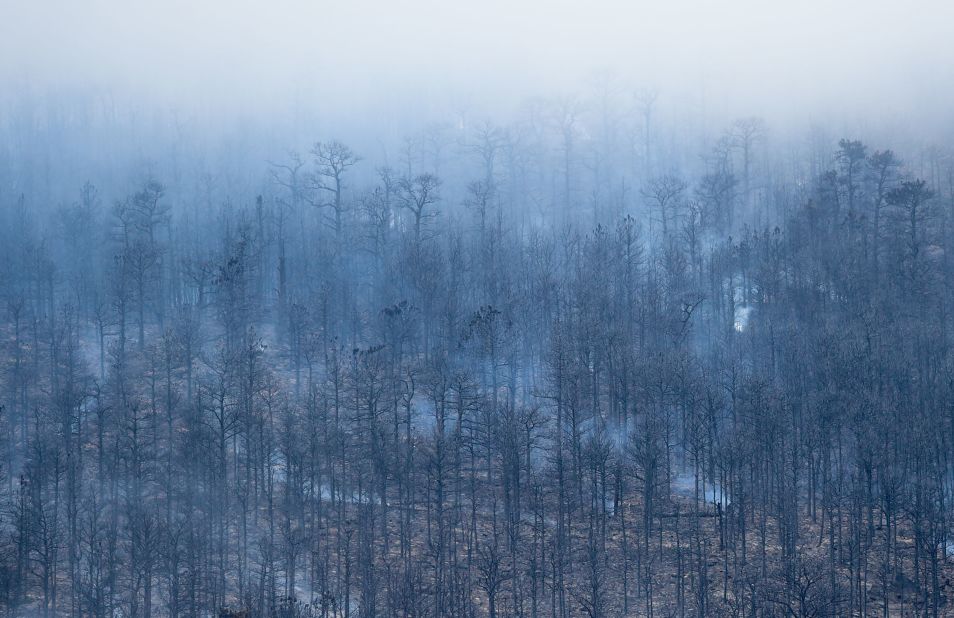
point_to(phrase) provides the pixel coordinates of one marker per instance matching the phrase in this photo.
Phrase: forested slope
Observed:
(559, 390)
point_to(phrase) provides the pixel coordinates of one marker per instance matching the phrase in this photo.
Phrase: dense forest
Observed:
(595, 360)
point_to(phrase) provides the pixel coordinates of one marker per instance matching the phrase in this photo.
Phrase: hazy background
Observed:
(230, 58)
(114, 91)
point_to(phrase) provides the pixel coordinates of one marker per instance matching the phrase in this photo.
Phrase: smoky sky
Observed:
(871, 57)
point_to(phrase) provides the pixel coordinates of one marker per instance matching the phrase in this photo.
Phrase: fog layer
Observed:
(874, 58)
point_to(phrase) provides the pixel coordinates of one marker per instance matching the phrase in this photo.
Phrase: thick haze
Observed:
(882, 60)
